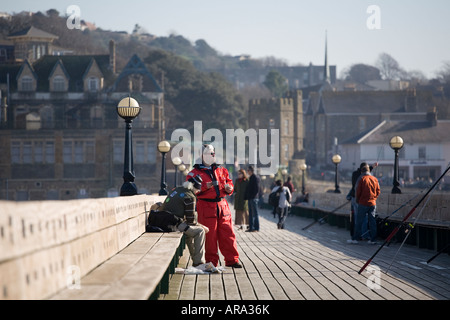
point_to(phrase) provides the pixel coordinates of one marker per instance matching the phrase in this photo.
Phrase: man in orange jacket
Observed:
(367, 192)
(213, 210)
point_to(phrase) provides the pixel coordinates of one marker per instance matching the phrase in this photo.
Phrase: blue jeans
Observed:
(253, 214)
(363, 212)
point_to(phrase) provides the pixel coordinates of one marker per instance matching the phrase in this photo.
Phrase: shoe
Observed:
(352, 241)
(235, 265)
(279, 225)
(371, 242)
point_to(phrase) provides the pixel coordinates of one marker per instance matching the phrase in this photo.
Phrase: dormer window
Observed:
(27, 83)
(93, 84)
(59, 84)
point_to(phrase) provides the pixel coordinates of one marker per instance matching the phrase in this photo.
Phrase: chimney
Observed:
(112, 56)
(411, 100)
(432, 116)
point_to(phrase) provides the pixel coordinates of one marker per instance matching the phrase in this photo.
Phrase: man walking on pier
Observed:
(367, 192)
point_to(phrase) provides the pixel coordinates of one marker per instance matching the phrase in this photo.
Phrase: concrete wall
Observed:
(45, 245)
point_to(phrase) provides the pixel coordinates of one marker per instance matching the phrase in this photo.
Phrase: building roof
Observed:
(410, 131)
(368, 102)
(33, 33)
(74, 66)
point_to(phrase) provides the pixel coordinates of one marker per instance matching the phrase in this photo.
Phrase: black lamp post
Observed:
(303, 168)
(182, 169)
(336, 160)
(176, 162)
(163, 147)
(128, 109)
(396, 143)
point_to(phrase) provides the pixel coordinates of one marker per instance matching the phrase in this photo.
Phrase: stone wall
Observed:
(46, 245)
(436, 212)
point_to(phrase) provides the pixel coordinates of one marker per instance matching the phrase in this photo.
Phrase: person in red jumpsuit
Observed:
(213, 210)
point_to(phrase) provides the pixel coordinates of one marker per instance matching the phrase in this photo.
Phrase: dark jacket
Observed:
(240, 185)
(252, 190)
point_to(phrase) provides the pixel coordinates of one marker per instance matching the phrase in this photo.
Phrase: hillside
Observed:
(191, 93)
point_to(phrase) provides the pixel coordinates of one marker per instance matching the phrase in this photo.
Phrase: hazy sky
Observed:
(415, 32)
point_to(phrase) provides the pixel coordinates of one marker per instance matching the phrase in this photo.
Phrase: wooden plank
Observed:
(318, 264)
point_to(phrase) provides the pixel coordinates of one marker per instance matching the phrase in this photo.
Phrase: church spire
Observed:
(326, 71)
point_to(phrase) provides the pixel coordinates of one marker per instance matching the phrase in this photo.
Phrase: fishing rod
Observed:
(321, 220)
(397, 228)
(408, 230)
(439, 252)
(383, 221)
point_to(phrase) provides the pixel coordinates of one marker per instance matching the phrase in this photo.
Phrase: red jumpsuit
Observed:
(213, 212)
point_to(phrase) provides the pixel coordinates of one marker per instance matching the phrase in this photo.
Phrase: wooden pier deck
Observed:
(315, 264)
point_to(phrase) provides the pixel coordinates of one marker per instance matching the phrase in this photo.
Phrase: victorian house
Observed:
(60, 135)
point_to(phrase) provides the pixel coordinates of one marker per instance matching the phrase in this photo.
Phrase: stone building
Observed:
(332, 117)
(286, 115)
(60, 135)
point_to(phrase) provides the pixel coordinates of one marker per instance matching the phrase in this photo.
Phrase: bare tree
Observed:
(389, 67)
(444, 73)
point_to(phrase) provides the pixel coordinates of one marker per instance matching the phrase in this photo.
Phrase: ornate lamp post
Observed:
(128, 109)
(303, 168)
(284, 172)
(182, 169)
(396, 143)
(336, 160)
(176, 162)
(163, 147)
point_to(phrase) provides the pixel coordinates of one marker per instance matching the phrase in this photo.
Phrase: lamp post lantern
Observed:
(128, 109)
(336, 160)
(284, 172)
(163, 148)
(303, 167)
(396, 143)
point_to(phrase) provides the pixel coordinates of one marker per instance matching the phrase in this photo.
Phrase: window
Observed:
(15, 152)
(118, 148)
(151, 152)
(286, 151)
(78, 151)
(144, 151)
(49, 152)
(422, 152)
(46, 114)
(93, 84)
(97, 117)
(286, 126)
(27, 83)
(140, 152)
(59, 84)
(39, 152)
(27, 152)
(362, 123)
(3, 55)
(32, 152)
